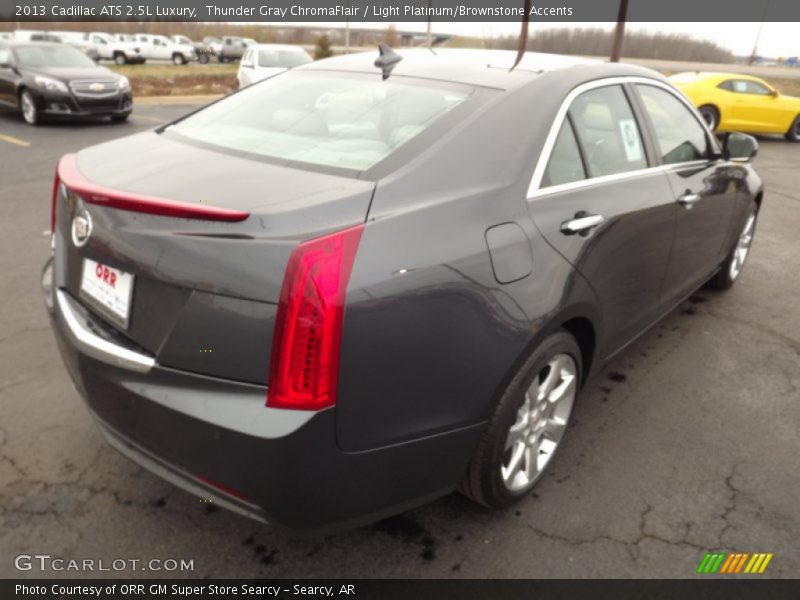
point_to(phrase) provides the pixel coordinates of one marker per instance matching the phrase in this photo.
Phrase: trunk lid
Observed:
(205, 290)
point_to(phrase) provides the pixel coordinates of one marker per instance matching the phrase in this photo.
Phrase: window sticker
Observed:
(630, 140)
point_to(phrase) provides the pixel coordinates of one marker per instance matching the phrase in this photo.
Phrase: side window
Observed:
(5, 56)
(680, 136)
(565, 164)
(606, 127)
(726, 85)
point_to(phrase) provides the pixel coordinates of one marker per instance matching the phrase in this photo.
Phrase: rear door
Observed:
(596, 200)
(704, 187)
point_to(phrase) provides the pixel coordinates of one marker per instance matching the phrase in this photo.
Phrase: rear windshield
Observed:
(285, 59)
(335, 120)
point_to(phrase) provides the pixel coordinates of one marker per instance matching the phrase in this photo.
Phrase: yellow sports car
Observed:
(736, 102)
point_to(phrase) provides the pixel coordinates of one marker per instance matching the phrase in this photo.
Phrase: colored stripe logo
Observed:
(734, 562)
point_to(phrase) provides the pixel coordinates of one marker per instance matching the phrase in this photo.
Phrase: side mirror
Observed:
(739, 147)
(774, 93)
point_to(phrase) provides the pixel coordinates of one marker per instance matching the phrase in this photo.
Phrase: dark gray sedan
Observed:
(350, 289)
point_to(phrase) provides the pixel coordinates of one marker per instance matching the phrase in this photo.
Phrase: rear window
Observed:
(334, 120)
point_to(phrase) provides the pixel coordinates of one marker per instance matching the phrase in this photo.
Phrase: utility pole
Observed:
(429, 37)
(619, 32)
(754, 53)
(347, 36)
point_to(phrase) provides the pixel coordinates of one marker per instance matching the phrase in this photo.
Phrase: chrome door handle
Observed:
(582, 223)
(689, 199)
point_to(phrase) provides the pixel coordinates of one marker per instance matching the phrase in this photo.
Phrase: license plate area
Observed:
(108, 290)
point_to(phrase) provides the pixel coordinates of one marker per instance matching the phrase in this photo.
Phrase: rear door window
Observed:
(565, 164)
(608, 131)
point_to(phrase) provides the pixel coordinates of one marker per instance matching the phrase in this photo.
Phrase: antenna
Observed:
(387, 59)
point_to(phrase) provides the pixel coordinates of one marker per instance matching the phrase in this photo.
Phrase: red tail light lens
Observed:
(304, 366)
(54, 203)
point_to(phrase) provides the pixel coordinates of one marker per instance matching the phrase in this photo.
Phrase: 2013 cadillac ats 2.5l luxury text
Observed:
(362, 284)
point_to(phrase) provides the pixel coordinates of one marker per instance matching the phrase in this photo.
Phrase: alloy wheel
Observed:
(28, 108)
(540, 423)
(742, 247)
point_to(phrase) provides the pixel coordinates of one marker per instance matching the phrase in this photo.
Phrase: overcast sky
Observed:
(777, 39)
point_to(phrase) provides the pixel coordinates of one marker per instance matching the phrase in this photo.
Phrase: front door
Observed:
(704, 188)
(602, 207)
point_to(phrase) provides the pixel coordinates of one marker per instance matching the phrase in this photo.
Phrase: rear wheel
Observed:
(119, 59)
(27, 105)
(793, 135)
(203, 59)
(733, 265)
(178, 59)
(710, 115)
(527, 426)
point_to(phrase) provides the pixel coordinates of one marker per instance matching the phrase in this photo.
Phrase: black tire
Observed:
(28, 108)
(710, 115)
(793, 135)
(483, 481)
(727, 274)
(120, 59)
(178, 59)
(203, 59)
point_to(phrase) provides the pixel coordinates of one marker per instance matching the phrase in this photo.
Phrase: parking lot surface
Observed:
(687, 443)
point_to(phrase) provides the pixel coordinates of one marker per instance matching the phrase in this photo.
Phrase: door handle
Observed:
(582, 223)
(688, 199)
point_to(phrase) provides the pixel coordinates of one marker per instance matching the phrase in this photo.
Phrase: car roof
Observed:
(489, 68)
(713, 75)
(289, 47)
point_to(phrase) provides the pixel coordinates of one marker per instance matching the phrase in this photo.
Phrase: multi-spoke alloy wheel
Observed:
(540, 423)
(527, 425)
(742, 248)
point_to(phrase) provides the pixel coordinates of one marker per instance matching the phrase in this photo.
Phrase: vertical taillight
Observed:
(304, 366)
(54, 202)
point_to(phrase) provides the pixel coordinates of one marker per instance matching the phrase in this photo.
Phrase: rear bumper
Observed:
(216, 439)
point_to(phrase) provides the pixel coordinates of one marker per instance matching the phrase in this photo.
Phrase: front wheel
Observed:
(203, 59)
(710, 115)
(527, 426)
(27, 104)
(178, 59)
(793, 135)
(119, 59)
(733, 265)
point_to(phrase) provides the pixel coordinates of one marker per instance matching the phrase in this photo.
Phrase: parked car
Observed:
(160, 47)
(262, 61)
(202, 51)
(432, 256)
(733, 101)
(46, 80)
(233, 48)
(109, 48)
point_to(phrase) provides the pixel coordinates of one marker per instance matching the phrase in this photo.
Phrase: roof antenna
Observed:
(387, 60)
(523, 35)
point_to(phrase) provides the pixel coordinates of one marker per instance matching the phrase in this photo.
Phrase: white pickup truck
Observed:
(160, 47)
(109, 48)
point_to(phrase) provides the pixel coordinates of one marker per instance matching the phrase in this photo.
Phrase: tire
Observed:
(27, 106)
(490, 480)
(120, 59)
(203, 59)
(735, 261)
(178, 59)
(710, 115)
(793, 135)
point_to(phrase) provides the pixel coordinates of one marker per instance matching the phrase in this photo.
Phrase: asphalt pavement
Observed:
(688, 443)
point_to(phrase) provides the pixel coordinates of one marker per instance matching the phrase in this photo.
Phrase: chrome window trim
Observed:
(535, 189)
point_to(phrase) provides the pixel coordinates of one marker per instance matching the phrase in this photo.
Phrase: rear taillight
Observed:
(54, 203)
(304, 366)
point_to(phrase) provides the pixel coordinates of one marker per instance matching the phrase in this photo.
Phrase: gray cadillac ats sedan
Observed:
(350, 289)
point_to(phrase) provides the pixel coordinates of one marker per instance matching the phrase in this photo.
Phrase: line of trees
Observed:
(597, 42)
